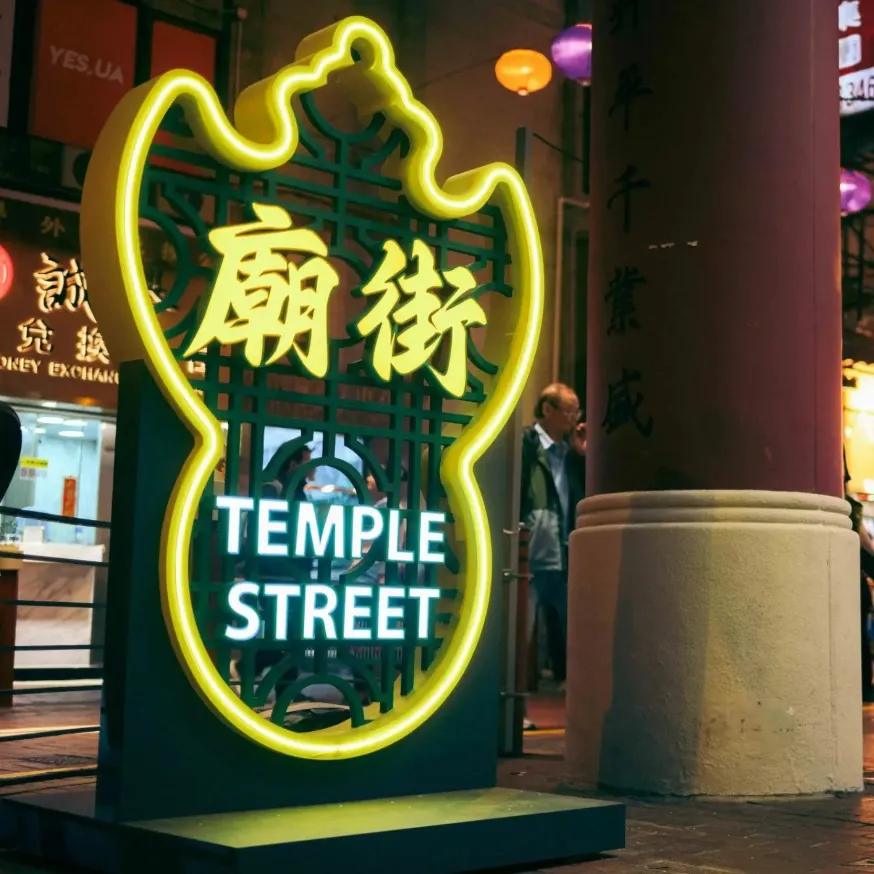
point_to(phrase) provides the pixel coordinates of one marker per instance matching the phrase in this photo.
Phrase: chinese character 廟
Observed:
(90, 347)
(409, 320)
(259, 293)
(59, 288)
(36, 335)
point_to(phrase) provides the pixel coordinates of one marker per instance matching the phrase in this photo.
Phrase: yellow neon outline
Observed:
(266, 139)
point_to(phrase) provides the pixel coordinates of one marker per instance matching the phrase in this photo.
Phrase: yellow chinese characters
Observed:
(260, 294)
(60, 288)
(36, 336)
(409, 319)
(90, 347)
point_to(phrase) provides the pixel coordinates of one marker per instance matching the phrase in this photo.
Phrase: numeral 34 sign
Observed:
(344, 294)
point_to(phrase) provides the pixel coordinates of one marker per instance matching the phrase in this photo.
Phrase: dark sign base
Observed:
(474, 830)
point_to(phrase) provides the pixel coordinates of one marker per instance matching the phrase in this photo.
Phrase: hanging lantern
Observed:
(523, 71)
(572, 52)
(855, 191)
(6, 273)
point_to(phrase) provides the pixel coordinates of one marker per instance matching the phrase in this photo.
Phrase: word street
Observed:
(331, 613)
(321, 611)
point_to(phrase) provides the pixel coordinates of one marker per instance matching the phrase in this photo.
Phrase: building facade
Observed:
(64, 64)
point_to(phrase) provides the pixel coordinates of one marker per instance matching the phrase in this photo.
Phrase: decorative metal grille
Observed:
(338, 184)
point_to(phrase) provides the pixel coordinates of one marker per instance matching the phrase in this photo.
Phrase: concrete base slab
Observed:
(428, 834)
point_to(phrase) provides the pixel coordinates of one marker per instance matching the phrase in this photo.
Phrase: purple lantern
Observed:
(855, 191)
(572, 52)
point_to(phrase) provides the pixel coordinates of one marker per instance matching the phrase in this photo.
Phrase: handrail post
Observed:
(8, 622)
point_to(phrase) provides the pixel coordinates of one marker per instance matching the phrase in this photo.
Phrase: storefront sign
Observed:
(7, 27)
(84, 65)
(49, 338)
(70, 497)
(428, 295)
(31, 468)
(51, 348)
(175, 47)
(856, 55)
(60, 288)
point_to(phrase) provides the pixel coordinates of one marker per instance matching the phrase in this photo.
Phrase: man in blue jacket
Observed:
(553, 483)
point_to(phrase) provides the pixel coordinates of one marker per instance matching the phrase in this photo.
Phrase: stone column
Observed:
(714, 632)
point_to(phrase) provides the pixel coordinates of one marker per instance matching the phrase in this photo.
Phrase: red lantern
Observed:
(6, 272)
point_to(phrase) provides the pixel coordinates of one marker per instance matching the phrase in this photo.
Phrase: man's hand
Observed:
(578, 439)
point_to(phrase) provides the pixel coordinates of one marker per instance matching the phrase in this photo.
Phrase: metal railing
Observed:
(18, 683)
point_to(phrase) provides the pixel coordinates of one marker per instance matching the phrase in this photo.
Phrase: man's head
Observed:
(300, 456)
(558, 410)
(371, 479)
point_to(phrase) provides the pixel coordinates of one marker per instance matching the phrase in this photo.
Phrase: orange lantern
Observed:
(523, 71)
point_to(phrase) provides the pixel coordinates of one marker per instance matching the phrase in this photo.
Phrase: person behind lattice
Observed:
(281, 568)
(375, 574)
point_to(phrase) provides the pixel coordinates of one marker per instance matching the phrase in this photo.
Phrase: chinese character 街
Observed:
(259, 294)
(408, 319)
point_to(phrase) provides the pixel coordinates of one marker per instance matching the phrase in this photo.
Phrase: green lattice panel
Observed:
(338, 185)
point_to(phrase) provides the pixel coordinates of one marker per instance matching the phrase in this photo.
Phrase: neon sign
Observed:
(6, 272)
(265, 310)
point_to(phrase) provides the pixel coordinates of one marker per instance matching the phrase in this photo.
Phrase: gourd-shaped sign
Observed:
(322, 303)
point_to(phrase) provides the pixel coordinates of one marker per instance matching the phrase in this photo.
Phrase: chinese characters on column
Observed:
(629, 88)
(620, 294)
(624, 403)
(628, 182)
(622, 407)
(622, 13)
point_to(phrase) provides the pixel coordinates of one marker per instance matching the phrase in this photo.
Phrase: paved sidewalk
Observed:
(827, 836)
